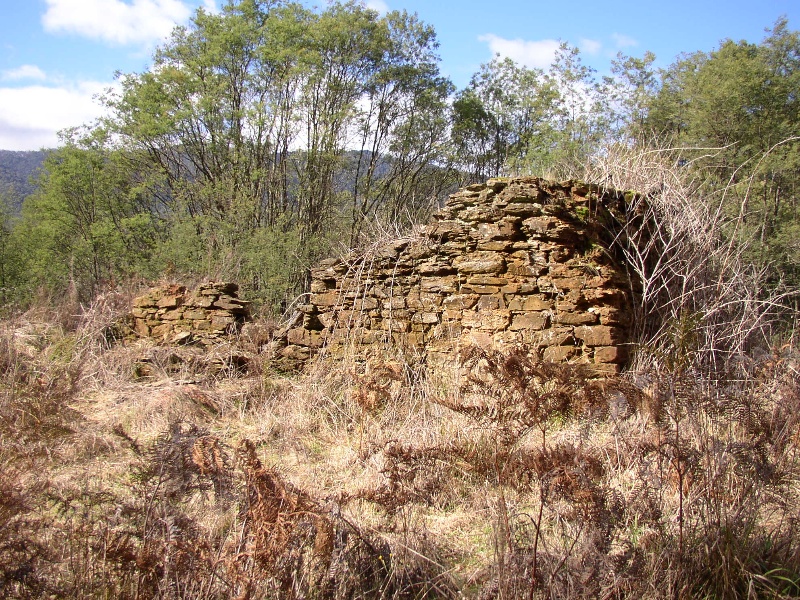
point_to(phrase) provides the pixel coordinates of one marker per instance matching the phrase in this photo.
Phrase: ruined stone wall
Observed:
(519, 261)
(177, 315)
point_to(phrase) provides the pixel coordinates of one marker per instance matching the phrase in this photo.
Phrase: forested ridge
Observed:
(270, 135)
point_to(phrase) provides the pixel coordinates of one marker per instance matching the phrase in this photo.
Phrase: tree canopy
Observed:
(270, 134)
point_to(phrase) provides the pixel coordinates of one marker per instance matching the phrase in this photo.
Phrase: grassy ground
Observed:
(129, 470)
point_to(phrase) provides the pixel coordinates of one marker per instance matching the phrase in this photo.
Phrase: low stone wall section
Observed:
(508, 262)
(177, 315)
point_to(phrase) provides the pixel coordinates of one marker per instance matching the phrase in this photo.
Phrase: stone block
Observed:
(195, 314)
(487, 320)
(610, 315)
(429, 318)
(576, 318)
(231, 304)
(430, 300)
(568, 283)
(198, 301)
(159, 331)
(559, 353)
(535, 321)
(222, 322)
(494, 245)
(529, 303)
(555, 336)
(505, 229)
(435, 268)
(326, 299)
(141, 328)
(540, 226)
(398, 325)
(523, 209)
(610, 354)
(365, 303)
(486, 280)
(481, 289)
(598, 335)
(460, 301)
(447, 284)
(487, 302)
(480, 262)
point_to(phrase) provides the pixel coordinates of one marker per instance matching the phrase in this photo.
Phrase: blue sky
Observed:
(56, 55)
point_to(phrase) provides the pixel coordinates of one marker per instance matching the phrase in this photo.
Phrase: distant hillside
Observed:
(16, 171)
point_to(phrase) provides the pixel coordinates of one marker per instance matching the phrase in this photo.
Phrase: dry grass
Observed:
(378, 478)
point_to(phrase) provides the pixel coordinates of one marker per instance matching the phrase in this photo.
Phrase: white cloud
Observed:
(590, 46)
(114, 21)
(31, 116)
(531, 53)
(623, 41)
(30, 72)
(377, 5)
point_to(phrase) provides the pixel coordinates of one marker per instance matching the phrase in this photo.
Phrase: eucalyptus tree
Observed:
(401, 128)
(742, 101)
(504, 120)
(627, 95)
(246, 118)
(88, 223)
(512, 119)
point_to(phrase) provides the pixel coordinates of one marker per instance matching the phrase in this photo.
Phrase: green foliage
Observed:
(86, 225)
(742, 101)
(514, 120)
(10, 263)
(244, 121)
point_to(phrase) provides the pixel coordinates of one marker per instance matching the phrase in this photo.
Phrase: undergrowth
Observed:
(499, 477)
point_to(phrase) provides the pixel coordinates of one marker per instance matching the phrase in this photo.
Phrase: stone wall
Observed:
(519, 261)
(177, 315)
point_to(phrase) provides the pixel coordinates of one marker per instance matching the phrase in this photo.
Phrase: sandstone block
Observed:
(435, 268)
(488, 302)
(523, 209)
(480, 262)
(598, 335)
(576, 318)
(198, 301)
(428, 318)
(195, 315)
(556, 336)
(446, 284)
(460, 301)
(231, 304)
(481, 289)
(141, 328)
(529, 303)
(534, 321)
(540, 226)
(610, 354)
(487, 320)
(486, 280)
(494, 245)
(222, 322)
(568, 283)
(398, 325)
(559, 353)
(326, 299)
(395, 302)
(169, 301)
(505, 229)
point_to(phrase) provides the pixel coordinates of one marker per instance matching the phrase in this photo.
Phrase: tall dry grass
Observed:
(133, 470)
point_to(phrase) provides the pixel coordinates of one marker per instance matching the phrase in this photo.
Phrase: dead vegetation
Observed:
(501, 477)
